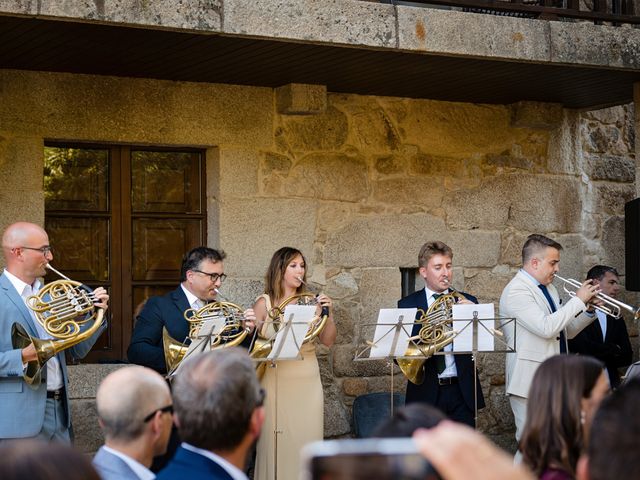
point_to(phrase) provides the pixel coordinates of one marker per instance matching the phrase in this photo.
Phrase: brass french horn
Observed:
(434, 334)
(63, 308)
(231, 334)
(263, 344)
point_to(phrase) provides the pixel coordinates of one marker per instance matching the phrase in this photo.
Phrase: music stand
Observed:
(286, 343)
(364, 345)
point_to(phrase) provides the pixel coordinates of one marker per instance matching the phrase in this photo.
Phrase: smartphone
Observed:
(365, 459)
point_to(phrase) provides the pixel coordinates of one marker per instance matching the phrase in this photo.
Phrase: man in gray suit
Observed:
(41, 409)
(543, 325)
(135, 413)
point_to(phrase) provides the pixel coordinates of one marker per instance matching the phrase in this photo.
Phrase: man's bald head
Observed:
(19, 233)
(125, 397)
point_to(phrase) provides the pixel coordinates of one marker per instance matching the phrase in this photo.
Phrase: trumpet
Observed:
(611, 306)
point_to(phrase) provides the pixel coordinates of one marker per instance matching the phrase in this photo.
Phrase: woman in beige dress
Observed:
(294, 403)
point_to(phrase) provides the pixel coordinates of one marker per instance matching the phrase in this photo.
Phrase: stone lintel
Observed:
(301, 99)
(361, 24)
(546, 116)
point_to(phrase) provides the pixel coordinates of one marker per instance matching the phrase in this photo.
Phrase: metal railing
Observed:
(613, 12)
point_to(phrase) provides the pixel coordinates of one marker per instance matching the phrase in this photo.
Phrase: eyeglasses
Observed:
(168, 408)
(43, 250)
(213, 276)
(261, 396)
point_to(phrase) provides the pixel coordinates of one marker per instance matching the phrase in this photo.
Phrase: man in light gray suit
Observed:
(135, 413)
(543, 325)
(41, 409)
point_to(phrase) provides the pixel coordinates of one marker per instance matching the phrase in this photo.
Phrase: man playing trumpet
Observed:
(40, 409)
(543, 325)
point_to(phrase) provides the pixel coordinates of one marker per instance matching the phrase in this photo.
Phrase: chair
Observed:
(371, 410)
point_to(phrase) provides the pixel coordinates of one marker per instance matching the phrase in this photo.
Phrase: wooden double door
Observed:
(122, 217)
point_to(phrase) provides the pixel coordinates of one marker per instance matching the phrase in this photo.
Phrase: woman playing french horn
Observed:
(293, 387)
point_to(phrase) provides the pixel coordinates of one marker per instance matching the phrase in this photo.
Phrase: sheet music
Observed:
(385, 333)
(462, 315)
(292, 331)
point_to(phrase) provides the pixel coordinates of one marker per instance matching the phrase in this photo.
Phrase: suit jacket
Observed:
(193, 466)
(23, 405)
(614, 350)
(428, 390)
(112, 467)
(538, 329)
(158, 312)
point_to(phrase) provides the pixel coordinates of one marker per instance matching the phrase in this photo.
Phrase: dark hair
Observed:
(553, 434)
(214, 395)
(193, 257)
(430, 249)
(599, 271)
(616, 426)
(275, 272)
(408, 419)
(536, 243)
(37, 459)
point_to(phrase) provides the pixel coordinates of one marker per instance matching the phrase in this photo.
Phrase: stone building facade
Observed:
(357, 182)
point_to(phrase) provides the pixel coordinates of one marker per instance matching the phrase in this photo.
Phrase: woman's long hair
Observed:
(553, 434)
(275, 273)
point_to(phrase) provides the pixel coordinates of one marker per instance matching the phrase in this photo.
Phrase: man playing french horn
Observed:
(201, 275)
(33, 386)
(445, 381)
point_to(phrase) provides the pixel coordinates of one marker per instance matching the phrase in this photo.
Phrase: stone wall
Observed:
(358, 183)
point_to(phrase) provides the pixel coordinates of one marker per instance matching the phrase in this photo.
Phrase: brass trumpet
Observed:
(611, 305)
(62, 307)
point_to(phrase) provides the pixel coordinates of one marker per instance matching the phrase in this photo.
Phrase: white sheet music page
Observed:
(290, 337)
(462, 316)
(385, 334)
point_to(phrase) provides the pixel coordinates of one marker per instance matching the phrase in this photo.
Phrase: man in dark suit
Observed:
(134, 411)
(201, 274)
(219, 413)
(448, 379)
(607, 339)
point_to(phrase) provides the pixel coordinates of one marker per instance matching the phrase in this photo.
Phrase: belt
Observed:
(55, 394)
(447, 381)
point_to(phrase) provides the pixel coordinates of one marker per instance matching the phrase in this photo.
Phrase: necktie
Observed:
(441, 365)
(545, 291)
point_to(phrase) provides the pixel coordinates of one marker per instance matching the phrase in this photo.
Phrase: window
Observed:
(122, 217)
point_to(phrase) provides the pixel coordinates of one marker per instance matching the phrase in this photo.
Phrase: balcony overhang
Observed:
(349, 46)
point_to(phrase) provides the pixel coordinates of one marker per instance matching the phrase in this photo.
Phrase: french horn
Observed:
(435, 334)
(231, 334)
(65, 309)
(263, 343)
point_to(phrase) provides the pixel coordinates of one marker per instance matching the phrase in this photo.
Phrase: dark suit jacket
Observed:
(112, 467)
(192, 466)
(146, 342)
(428, 390)
(614, 350)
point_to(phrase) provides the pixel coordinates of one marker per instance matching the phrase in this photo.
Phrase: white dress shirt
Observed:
(449, 359)
(602, 318)
(54, 372)
(194, 301)
(231, 469)
(142, 472)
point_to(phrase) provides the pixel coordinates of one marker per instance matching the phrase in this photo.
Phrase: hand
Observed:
(587, 291)
(324, 301)
(29, 354)
(101, 294)
(249, 320)
(458, 452)
(465, 301)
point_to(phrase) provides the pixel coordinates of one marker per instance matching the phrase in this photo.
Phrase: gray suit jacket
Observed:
(112, 467)
(23, 405)
(538, 329)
